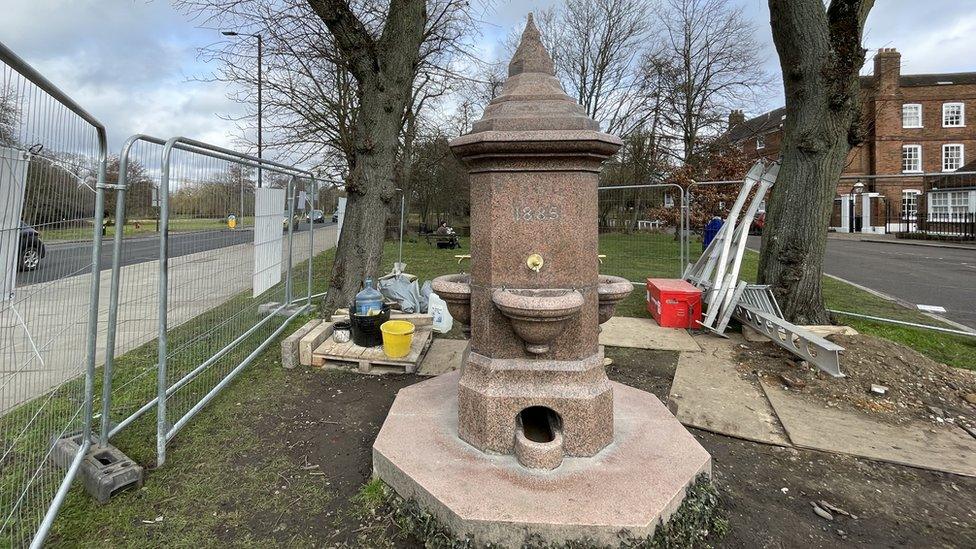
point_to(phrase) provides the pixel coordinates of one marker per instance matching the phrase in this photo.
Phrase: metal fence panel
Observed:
(128, 388)
(642, 222)
(237, 280)
(52, 174)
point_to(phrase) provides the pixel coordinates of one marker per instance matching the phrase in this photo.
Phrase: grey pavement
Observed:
(74, 258)
(912, 274)
(54, 312)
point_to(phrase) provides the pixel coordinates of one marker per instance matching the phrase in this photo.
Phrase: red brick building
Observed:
(914, 124)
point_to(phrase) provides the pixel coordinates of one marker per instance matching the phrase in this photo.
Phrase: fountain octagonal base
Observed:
(632, 485)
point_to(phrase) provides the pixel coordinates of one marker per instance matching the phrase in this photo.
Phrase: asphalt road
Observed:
(917, 275)
(74, 258)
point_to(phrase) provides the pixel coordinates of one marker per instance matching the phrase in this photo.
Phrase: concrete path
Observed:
(55, 312)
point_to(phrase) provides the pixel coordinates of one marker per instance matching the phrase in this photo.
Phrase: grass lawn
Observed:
(136, 227)
(640, 256)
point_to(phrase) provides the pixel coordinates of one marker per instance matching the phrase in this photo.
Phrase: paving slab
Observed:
(813, 425)
(708, 393)
(444, 355)
(644, 333)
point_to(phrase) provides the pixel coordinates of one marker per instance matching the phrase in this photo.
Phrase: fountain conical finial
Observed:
(531, 55)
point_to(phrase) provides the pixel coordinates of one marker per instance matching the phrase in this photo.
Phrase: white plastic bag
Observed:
(442, 320)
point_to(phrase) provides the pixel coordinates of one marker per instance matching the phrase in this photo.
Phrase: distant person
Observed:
(443, 229)
(447, 237)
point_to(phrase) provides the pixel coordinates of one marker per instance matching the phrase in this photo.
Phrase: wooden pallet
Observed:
(371, 360)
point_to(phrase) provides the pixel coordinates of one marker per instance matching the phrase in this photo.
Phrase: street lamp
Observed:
(260, 52)
(856, 190)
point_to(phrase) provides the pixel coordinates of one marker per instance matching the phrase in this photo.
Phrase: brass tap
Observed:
(600, 258)
(461, 258)
(534, 262)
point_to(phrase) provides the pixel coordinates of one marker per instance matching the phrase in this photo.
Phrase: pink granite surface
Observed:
(534, 160)
(633, 484)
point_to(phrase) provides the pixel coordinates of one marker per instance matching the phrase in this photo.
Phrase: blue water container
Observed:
(711, 229)
(369, 299)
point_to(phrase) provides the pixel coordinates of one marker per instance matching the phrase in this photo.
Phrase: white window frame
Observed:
(958, 205)
(962, 115)
(938, 205)
(910, 197)
(917, 106)
(918, 157)
(760, 142)
(962, 156)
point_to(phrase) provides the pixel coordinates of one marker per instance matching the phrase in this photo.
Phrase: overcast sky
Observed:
(132, 62)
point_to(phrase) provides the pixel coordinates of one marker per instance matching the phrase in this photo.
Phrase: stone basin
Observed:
(611, 290)
(455, 290)
(538, 316)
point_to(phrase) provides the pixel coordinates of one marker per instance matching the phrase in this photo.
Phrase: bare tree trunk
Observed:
(820, 54)
(384, 69)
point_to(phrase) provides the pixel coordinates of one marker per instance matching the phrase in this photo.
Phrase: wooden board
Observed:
(311, 341)
(371, 360)
(644, 333)
(812, 424)
(290, 355)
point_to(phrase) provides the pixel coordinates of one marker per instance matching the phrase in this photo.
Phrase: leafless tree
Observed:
(9, 116)
(600, 48)
(711, 63)
(821, 53)
(347, 82)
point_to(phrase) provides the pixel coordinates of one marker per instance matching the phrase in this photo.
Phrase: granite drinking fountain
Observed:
(530, 438)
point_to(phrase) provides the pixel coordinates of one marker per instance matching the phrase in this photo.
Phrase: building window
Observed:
(761, 142)
(668, 200)
(911, 159)
(953, 115)
(948, 206)
(911, 115)
(909, 204)
(952, 155)
(958, 205)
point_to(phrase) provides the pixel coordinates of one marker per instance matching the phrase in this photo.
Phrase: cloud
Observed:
(128, 62)
(131, 62)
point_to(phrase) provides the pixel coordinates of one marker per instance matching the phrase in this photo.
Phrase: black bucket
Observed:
(366, 329)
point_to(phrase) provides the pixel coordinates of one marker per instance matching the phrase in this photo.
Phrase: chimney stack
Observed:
(736, 117)
(887, 70)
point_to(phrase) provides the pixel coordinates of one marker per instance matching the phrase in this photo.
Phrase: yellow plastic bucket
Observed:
(397, 338)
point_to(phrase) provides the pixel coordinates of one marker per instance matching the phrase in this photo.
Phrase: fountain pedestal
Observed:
(631, 486)
(531, 437)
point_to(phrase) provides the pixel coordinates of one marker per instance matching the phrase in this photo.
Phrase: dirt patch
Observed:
(766, 491)
(328, 420)
(283, 459)
(917, 387)
(651, 371)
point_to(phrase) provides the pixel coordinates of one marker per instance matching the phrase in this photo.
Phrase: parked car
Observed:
(31, 249)
(758, 223)
(317, 216)
(335, 217)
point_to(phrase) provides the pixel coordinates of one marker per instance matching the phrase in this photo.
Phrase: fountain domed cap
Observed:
(532, 100)
(531, 55)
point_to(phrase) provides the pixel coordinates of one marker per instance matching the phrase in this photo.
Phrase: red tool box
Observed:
(674, 302)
